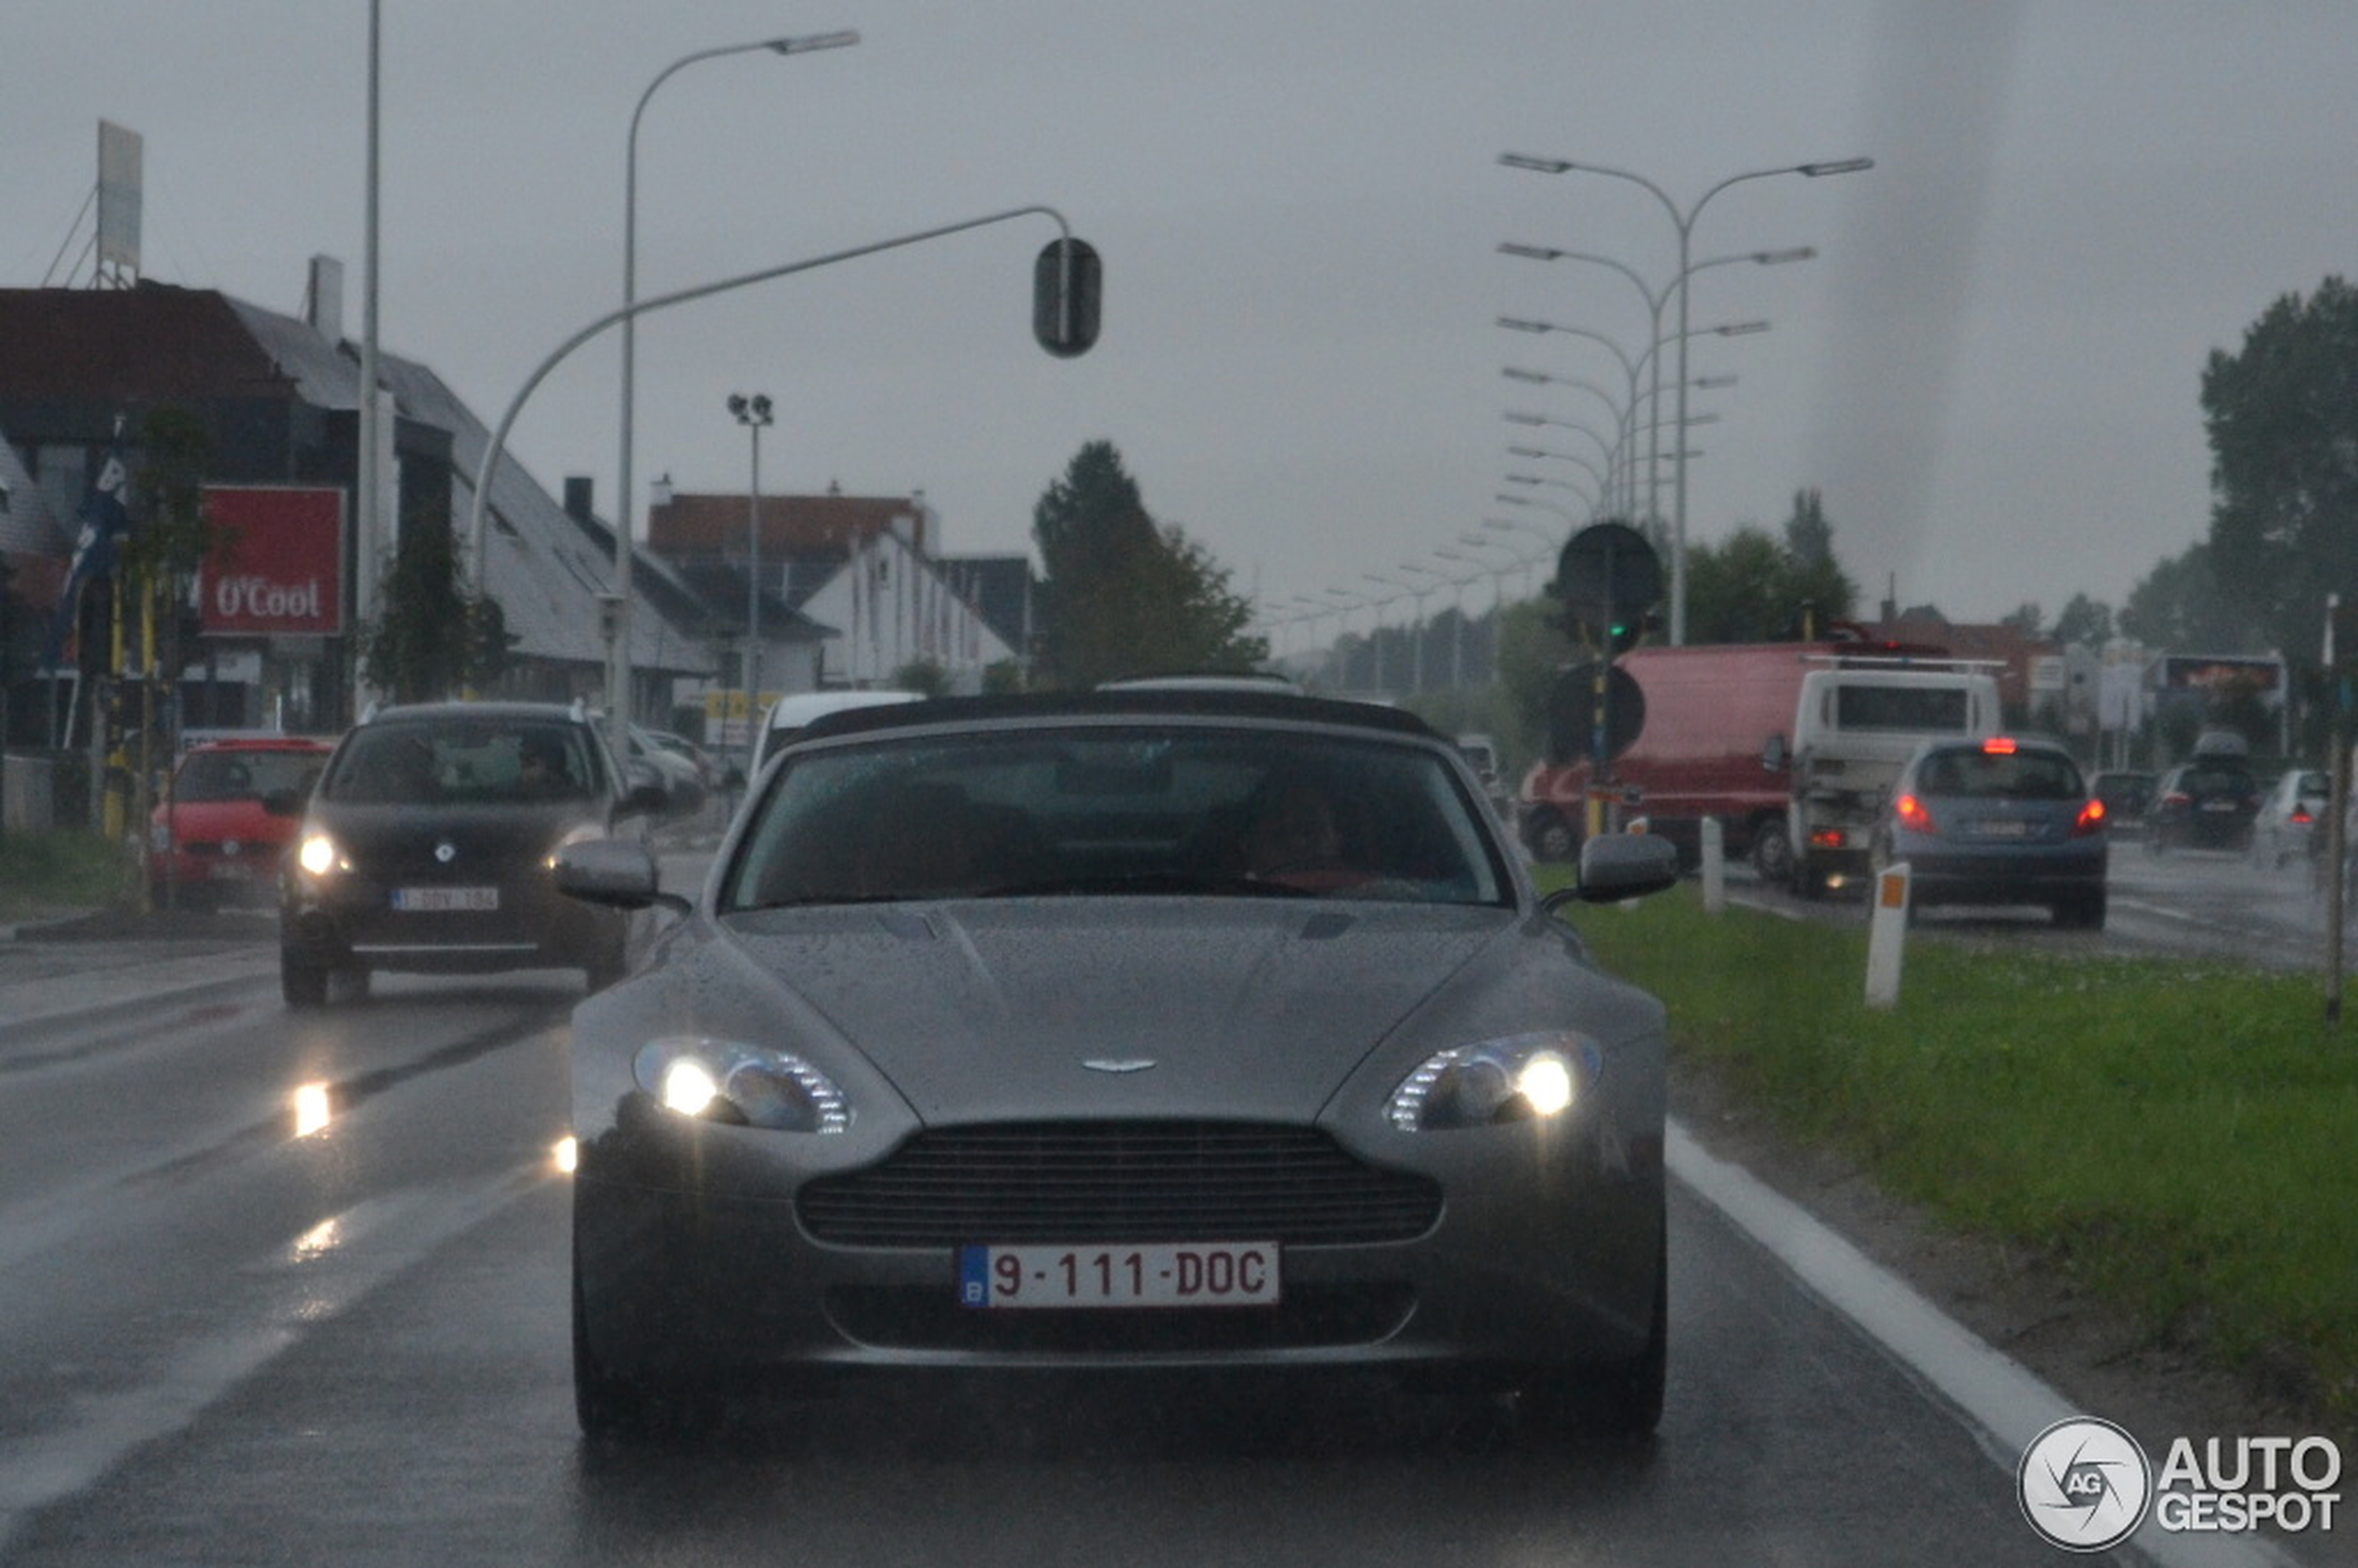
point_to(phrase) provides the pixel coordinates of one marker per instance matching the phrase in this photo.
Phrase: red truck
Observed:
(1717, 743)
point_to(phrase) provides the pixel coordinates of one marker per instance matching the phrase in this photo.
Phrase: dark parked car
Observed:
(2208, 803)
(1997, 822)
(2128, 795)
(1121, 1031)
(429, 842)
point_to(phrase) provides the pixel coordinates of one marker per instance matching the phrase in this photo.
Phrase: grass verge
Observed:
(2177, 1137)
(44, 873)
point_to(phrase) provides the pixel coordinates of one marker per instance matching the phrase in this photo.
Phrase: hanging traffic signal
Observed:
(1067, 290)
(1608, 579)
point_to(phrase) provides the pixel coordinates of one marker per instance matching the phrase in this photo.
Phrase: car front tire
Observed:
(1622, 1403)
(301, 982)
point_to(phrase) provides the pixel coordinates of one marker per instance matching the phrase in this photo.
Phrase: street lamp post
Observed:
(1633, 366)
(1624, 418)
(1458, 604)
(618, 658)
(1655, 300)
(1423, 627)
(754, 414)
(1684, 222)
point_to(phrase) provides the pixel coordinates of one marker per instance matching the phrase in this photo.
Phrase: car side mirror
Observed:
(1614, 866)
(1776, 757)
(615, 871)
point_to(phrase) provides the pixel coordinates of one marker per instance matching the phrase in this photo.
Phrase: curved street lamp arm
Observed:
(499, 438)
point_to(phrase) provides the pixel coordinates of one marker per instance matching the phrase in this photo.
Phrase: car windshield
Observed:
(1119, 811)
(2019, 775)
(2215, 781)
(470, 761)
(1899, 708)
(207, 776)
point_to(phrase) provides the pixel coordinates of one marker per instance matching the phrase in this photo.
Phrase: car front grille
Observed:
(1119, 1181)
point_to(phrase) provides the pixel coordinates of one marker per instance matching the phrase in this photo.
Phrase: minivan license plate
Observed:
(1189, 1273)
(439, 899)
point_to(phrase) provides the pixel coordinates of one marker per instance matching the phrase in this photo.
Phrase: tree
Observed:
(2283, 421)
(2179, 604)
(1740, 590)
(923, 675)
(1120, 594)
(1818, 582)
(1755, 587)
(408, 650)
(2084, 620)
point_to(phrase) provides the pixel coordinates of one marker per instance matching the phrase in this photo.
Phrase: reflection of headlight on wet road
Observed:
(312, 1110)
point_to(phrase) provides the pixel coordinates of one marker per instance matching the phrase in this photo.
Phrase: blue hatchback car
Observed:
(1998, 821)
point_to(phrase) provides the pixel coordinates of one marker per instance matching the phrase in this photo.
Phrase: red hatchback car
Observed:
(234, 809)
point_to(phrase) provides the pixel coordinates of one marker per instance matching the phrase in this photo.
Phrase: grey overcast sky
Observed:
(1991, 370)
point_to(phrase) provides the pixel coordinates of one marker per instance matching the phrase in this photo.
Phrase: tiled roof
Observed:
(171, 343)
(717, 524)
(537, 563)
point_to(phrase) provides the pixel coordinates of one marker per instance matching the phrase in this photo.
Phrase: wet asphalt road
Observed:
(227, 1336)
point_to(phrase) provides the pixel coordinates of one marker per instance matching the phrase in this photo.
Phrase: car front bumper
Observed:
(1543, 1250)
(351, 919)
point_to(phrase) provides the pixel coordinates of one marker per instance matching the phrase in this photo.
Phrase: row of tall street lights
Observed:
(1535, 549)
(1619, 478)
(1657, 299)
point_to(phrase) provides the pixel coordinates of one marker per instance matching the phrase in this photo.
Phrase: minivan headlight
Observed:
(746, 1085)
(1520, 1078)
(318, 855)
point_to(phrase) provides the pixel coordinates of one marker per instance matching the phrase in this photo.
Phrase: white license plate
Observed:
(2006, 830)
(2219, 805)
(1190, 1274)
(420, 901)
(232, 870)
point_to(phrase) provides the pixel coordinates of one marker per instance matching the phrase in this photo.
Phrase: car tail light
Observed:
(2177, 798)
(1999, 745)
(2090, 819)
(2300, 817)
(1913, 816)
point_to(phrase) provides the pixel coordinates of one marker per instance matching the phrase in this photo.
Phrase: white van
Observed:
(1854, 726)
(790, 715)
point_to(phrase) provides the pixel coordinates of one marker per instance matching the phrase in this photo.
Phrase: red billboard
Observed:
(284, 569)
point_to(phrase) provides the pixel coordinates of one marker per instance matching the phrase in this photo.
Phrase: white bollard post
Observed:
(1887, 936)
(1714, 866)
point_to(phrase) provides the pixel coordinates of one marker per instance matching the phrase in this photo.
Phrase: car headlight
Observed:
(318, 855)
(724, 1080)
(1521, 1078)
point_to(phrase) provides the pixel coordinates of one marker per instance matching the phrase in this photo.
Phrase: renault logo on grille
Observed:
(1117, 1064)
(446, 852)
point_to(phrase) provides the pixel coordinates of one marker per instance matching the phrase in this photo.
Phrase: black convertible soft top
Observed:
(1143, 703)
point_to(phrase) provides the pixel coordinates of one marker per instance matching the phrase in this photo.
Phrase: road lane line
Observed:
(2001, 1401)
